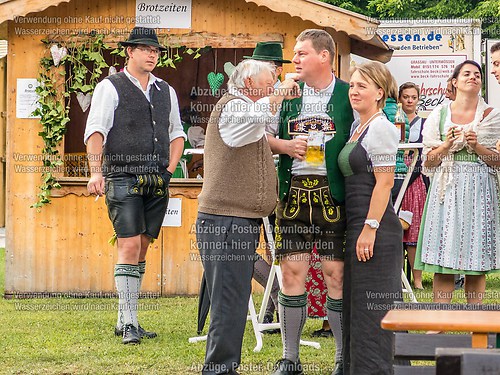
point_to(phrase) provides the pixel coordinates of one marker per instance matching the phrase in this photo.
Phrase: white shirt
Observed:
(243, 121)
(314, 104)
(380, 142)
(105, 101)
(415, 130)
(196, 136)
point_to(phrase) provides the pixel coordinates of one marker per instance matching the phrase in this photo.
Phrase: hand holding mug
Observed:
(454, 133)
(471, 139)
(297, 147)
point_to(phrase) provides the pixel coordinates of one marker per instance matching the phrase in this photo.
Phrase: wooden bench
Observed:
(418, 346)
(460, 361)
(422, 347)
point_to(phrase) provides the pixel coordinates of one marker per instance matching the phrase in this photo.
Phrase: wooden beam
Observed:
(18, 8)
(3, 132)
(324, 15)
(202, 39)
(190, 40)
(479, 340)
(369, 51)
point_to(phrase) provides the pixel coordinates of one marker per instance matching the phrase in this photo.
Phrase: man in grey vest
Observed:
(239, 188)
(134, 141)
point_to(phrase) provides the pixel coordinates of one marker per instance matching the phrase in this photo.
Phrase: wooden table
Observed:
(480, 323)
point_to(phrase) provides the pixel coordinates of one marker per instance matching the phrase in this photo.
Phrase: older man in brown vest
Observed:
(239, 188)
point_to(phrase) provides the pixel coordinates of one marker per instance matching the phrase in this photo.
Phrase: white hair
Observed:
(246, 69)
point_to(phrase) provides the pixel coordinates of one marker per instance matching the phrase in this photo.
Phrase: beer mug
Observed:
(315, 154)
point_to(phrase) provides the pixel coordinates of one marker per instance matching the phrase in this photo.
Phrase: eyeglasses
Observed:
(149, 50)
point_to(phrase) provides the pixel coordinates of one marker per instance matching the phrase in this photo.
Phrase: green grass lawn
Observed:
(75, 336)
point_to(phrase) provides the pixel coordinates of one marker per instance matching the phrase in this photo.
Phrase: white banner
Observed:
(163, 14)
(427, 51)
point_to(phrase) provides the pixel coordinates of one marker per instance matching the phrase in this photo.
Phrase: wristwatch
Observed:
(374, 224)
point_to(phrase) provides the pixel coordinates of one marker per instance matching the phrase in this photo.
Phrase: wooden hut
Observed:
(63, 247)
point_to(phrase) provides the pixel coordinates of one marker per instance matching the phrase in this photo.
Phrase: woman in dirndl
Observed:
(460, 230)
(373, 261)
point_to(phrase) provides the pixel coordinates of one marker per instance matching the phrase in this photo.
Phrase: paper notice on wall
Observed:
(26, 97)
(173, 216)
(163, 14)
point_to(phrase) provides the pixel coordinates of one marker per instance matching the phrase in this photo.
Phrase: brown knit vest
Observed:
(238, 181)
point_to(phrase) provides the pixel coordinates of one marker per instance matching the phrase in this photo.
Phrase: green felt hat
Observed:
(142, 36)
(268, 51)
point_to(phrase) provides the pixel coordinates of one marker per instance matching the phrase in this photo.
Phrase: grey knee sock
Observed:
(126, 279)
(142, 271)
(293, 315)
(261, 270)
(334, 312)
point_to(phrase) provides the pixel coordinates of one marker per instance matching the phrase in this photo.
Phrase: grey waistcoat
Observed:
(138, 142)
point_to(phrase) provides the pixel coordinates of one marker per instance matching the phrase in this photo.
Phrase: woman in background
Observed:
(414, 198)
(389, 110)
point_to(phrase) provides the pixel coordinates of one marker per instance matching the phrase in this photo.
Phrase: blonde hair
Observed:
(320, 41)
(381, 76)
(393, 89)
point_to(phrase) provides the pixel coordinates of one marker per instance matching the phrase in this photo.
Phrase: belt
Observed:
(463, 155)
(311, 181)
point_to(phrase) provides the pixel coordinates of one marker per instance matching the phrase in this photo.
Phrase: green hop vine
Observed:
(84, 56)
(86, 60)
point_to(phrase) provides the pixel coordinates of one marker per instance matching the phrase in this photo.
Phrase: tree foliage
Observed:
(488, 11)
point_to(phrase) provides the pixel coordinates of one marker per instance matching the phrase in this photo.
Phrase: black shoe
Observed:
(130, 335)
(146, 334)
(272, 331)
(142, 333)
(339, 368)
(287, 367)
(322, 333)
(459, 284)
(327, 333)
(268, 318)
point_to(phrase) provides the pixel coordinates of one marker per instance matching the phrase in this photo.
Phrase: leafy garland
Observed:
(87, 62)
(85, 56)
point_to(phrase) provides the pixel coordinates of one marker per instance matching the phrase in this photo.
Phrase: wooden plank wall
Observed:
(64, 247)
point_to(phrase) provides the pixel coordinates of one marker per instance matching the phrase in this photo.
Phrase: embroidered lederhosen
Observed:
(307, 192)
(310, 217)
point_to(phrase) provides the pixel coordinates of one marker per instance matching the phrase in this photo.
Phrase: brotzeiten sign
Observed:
(164, 14)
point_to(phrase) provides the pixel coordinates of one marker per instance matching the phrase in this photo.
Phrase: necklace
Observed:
(361, 127)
